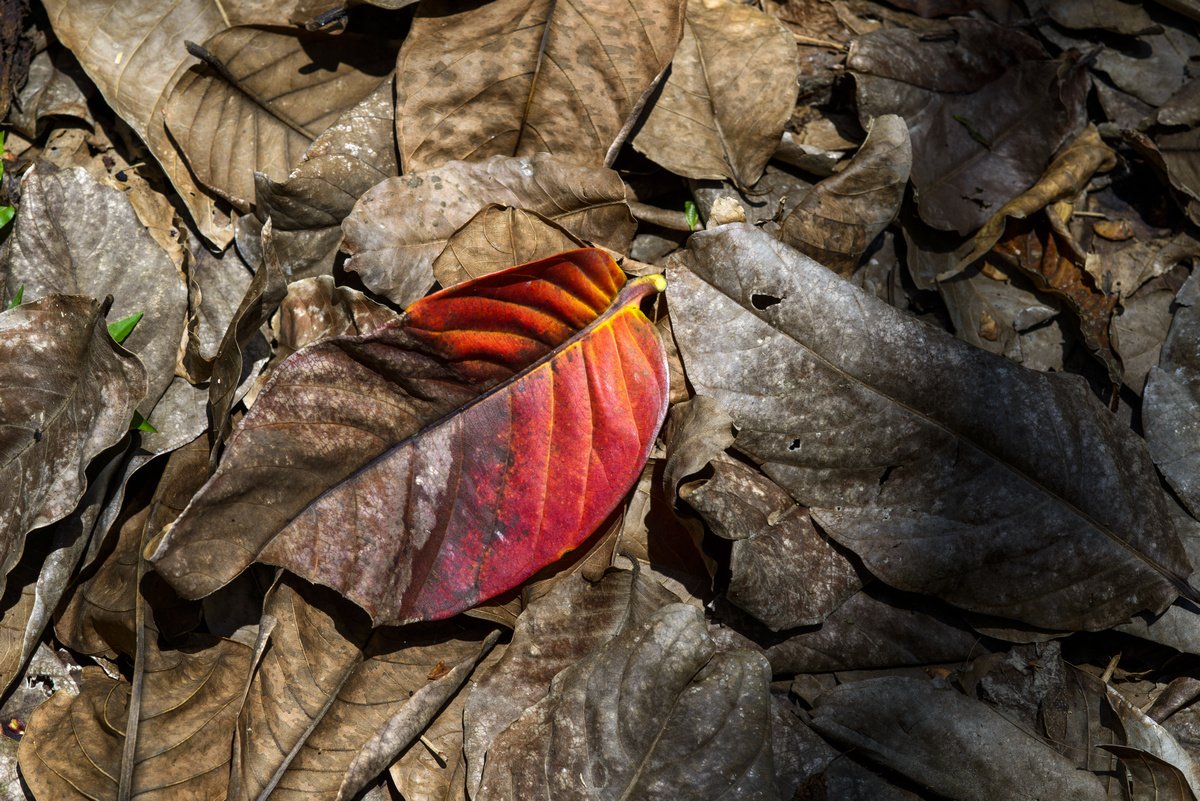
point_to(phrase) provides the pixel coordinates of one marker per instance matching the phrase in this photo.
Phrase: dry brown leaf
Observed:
(519, 77)
(263, 98)
(840, 217)
(731, 90)
(498, 237)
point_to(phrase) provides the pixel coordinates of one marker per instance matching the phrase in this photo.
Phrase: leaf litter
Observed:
(355, 446)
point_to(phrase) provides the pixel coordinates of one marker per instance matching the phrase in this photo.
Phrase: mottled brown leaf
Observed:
(731, 89)
(948, 470)
(399, 227)
(522, 77)
(638, 719)
(839, 218)
(275, 91)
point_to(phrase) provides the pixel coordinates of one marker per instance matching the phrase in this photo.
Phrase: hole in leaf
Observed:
(762, 301)
(795, 445)
(887, 473)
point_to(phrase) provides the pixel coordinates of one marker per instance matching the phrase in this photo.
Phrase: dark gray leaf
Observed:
(638, 720)
(948, 470)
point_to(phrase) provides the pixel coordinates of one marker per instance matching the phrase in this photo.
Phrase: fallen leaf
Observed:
(947, 742)
(1066, 177)
(985, 107)
(133, 52)
(418, 416)
(937, 463)
(497, 238)
(1146, 735)
(54, 88)
(71, 392)
(75, 236)
(399, 227)
(1114, 16)
(260, 96)
(72, 746)
(1139, 330)
(221, 282)
(992, 314)
(714, 118)
(841, 216)
(637, 718)
(697, 431)
(526, 77)
(782, 571)
(1154, 779)
(306, 210)
(316, 308)
(545, 642)
(325, 689)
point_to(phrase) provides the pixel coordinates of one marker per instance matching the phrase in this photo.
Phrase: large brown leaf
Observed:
(497, 238)
(134, 53)
(373, 464)
(69, 393)
(399, 227)
(75, 236)
(325, 688)
(519, 77)
(658, 712)
(274, 91)
(949, 470)
(716, 118)
(72, 746)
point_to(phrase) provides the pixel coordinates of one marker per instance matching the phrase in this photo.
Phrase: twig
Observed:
(663, 218)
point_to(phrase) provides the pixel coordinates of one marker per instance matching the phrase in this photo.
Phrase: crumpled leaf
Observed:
(942, 740)
(418, 417)
(72, 746)
(75, 236)
(399, 227)
(54, 88)
(276, 90)
(316, 309)
(547, 640)
(714, 118)
(841, 216)
(133, 52)
(946, 469)
(1039, 252)
(1171, 404)
(325, 687)
(352, 155)
(992, 314)
(1115, 16)
(497, 238)
(698, 430)
(1154, 778)
(523, 77)
(637, 719)
(782, 571)
(1066, 177)
(985, 108)
(1149, 737)
(70, 393)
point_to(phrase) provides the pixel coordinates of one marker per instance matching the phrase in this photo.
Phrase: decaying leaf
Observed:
(715, 118)
(72, 746)
(75, 236)
(546, 641)
(133, 52)
(70, 394)
(697, 431)
(947, 742)
(639, 715)
(399, 227)
(945, 468)
(316, 309)
(260, 97)
(782, 571)
(840, 217)
(985, 107)
(497, 238)
(394, 439)
(326, 687)
(520, 77)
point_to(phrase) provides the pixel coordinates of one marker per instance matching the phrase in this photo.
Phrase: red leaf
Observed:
(444, 458)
